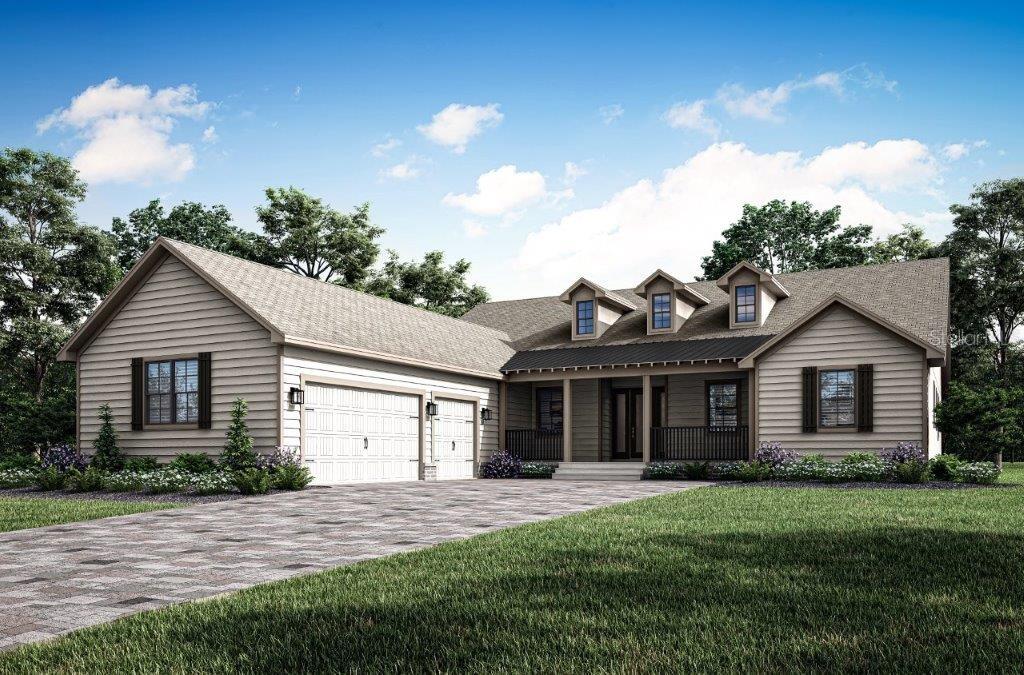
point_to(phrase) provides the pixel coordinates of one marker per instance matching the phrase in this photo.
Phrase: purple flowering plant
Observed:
(904, 452)
(503, 464)
(283, 455)
(63, 458)
(771, 453)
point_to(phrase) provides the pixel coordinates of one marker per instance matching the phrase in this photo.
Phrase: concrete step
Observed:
(612, 471)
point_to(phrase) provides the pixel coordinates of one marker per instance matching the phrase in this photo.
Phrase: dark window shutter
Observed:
(810, 387)
(138, 388)
(205, 392)
(865, 397)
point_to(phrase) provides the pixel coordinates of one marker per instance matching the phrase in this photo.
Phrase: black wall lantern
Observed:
(296, 396)
(431, 408)
(486, 415)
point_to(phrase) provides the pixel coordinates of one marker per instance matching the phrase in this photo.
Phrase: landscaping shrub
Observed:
(771, 453)
(90, 480)
(814, 458)
(193, 462)
(139, 464)
(22, 461)
(944, 467)
(106, 455)
(165, 481)
(905, 451)
(751, 472)
(503, 464)
(283, 455)
(212, 483)
(801, 470)
(976, 472)
(125, 481)
(536, 470)
(726, 470)
(913, 471)
(291, 477)
(238, 450)
(252, 481)
(858, 457)
(17, 478)
(50, 479)
(696, 470)
(873, 469)
(62, 458)
(663, 471)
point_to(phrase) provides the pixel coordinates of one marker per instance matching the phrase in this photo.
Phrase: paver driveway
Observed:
(56, 579)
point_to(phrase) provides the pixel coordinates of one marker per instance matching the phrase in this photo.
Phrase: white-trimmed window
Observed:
(837, 406)
(585, 317)
(661, 311)
(172, 391)
(746, 303)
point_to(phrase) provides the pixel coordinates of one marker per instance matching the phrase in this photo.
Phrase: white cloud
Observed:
(127, 130)
(672, 222)
(210, 135)
(691, 116)
(384, 148)
(501, 191)
(610, 113)
(473, 229)
(297, 92)
(410, 168)
(573, 172)
(955, 151)
(458, 124)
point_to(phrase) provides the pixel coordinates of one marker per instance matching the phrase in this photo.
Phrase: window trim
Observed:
(593, 318)
(667, 312)
(736, 305)
(856, 403)
(739, 402)
(146, 424)
(536, 408)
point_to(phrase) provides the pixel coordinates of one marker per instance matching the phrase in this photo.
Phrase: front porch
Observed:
(682, 416)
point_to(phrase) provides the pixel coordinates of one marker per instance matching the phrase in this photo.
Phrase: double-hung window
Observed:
(723, 404)
(549, 409)
(661, 311)
(746, 304)
(585, 317)
(836, 403)
(172, 391)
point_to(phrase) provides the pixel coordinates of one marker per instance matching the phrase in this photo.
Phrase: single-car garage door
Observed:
(453, 448)
(357, 434)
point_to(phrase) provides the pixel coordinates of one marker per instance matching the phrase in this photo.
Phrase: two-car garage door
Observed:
(354, 434)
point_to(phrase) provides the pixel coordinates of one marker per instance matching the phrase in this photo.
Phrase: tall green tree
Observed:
(986, 252)
(53, 270)
(788, 237)
(309, 237)
(191, 222)
(909, 243)
(429, 284)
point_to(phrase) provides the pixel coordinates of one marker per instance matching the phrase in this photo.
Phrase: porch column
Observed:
(502, 412)
(646, 428)
(566, 420)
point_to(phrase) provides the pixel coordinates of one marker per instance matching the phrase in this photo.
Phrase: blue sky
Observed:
(579, 139)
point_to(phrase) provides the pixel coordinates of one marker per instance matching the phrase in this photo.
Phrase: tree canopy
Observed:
(428, 284)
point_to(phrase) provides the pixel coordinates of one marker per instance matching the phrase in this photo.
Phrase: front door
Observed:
(627, 420)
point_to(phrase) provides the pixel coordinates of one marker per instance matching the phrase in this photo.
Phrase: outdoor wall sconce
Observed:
(431, 408)
(296, 396)
(486, 415)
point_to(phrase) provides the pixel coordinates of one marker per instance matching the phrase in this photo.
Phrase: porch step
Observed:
(619, 471)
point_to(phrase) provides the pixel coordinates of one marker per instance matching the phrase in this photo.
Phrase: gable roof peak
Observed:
(764, 277)
(680, 287)
(600, 292)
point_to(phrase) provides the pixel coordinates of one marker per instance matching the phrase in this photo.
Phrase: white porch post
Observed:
(646, 428)
(566, 420)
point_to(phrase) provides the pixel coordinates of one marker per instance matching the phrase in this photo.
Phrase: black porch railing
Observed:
(534, 444)
(699, 443)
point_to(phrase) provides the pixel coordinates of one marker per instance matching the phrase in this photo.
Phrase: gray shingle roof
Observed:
(307, 309)
(914, 296)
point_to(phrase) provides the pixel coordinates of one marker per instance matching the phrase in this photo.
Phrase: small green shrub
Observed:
(985, 473)
(663, 471)
(106, 455)
(238, 451)
(193, 462)
(140, 464)
(50, 479)
(292, 477)
(212, 483)
(124, 481)
(858, 457)
(726, 470)
(944, 467)
(90, 480)
(752, 472)
(165, 481)
(20, 461)
(814, 458)
(696, 470)
(536, 470)
(913, 472)
(17, 478)
(252, 481)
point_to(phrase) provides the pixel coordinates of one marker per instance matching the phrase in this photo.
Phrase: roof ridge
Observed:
(343, 289)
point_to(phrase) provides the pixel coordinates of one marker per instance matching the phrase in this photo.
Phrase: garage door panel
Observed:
(453, 447)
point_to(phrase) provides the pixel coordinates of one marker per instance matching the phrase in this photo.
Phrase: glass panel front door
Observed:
(627, 423)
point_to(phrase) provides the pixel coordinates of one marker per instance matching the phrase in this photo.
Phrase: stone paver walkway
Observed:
(57, 579)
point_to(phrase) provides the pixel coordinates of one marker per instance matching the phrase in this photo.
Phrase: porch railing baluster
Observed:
(697, 443)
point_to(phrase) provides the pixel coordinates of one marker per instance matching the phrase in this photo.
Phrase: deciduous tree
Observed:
(429, 284)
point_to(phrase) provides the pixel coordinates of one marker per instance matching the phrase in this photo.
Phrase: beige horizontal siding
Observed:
(586, 420)
(311, 363)
(841, 338)
(519, 408)
(687, 404)
(175, 313)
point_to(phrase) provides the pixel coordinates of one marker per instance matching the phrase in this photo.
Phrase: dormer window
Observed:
(585, 317)
(746, 303)
(661, 311)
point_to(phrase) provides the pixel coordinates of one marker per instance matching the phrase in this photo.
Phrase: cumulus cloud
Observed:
(458, 124)
(501, 191)
(127, 131)
(955, 151)
(473, 229)
(410, 168)
(610, 113)
(573, 172)
(691, 116)
(384, 148)
(672, 222)
(210, 135)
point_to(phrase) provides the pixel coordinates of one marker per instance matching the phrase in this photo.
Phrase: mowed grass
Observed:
(740, 579)
(19, 513)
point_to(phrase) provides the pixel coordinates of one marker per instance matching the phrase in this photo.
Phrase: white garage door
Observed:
(360, 435)
(453, 439)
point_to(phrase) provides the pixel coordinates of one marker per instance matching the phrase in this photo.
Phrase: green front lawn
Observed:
(19, 513)
(747, 579)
